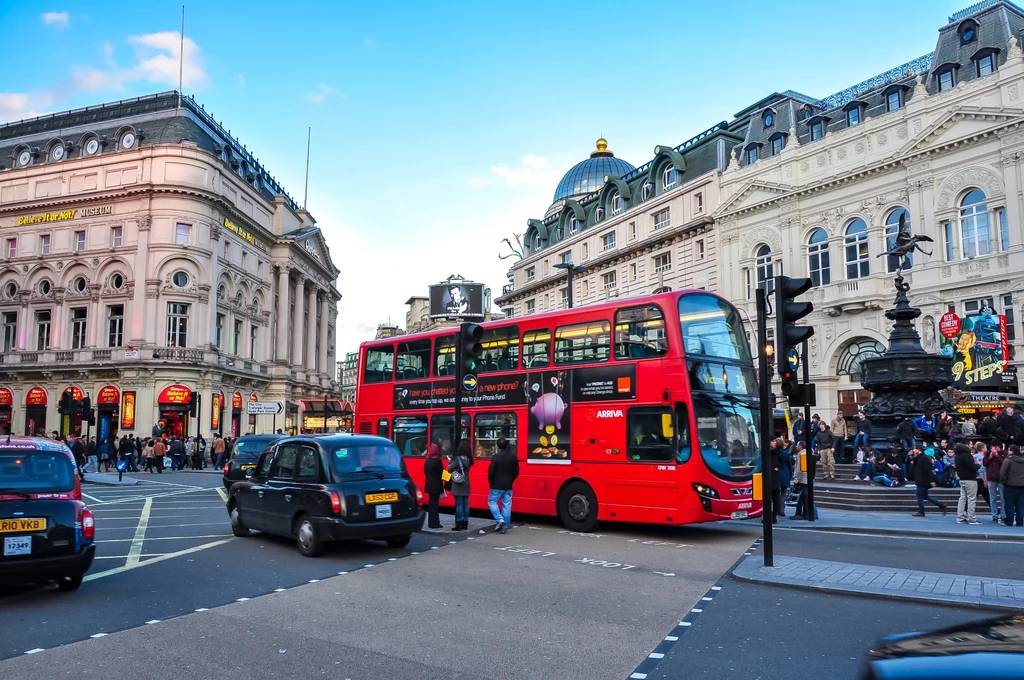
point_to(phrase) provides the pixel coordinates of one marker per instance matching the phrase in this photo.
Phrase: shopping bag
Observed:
(446, 476)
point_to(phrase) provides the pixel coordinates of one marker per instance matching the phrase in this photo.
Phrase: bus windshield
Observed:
(727, 430)
(711, 327)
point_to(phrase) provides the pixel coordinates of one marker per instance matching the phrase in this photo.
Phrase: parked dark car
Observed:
(985, 650)
(46, 531)
(328, 488)
(244, 455)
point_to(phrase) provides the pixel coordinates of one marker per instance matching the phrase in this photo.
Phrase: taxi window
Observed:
(284, 463)
(35, 471)
(309, 468)
(263, 467)
(365, 458)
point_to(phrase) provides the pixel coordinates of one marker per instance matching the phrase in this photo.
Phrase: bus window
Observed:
(442, 431)
(582, 343)
(711, 327)
(379, 363)
(640, 333)
(444, 356)
(413, 360)
(411, 435)
(683, 429)
(535, 349)
(501, 349)
(489, 428)
(651, 435)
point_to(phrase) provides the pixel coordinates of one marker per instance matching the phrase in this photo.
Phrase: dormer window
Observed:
(646, 192)
(598, 214)
(985, 61)
(778, 142)
(894, 100)
(768, 118)
(816, 126)
(669, 176)
(574, 224)
(807, 113)
(946, 80)
(946, 76)
(753, 151)
(854, 113)
(617, 203)
(968, 31)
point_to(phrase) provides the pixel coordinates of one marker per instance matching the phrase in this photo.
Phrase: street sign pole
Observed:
(764, 392)
(458, 391)
(807, 436)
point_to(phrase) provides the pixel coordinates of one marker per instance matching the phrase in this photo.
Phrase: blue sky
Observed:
(440, 128)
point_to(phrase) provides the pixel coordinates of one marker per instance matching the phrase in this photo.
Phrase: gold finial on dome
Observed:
(602, 149)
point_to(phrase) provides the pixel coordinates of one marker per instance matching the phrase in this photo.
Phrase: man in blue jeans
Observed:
(501, 474)
(863, 430)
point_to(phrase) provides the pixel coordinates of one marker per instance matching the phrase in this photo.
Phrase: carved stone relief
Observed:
(982, 177)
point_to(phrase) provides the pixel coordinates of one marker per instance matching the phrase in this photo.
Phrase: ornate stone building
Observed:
(817, 188)
(147, 253)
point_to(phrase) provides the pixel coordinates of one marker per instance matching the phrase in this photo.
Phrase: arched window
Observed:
(853, 356)
(968, 31)
(646, 192)
(669, 177)
(975, 230)
(857, 259)
(617, 203)
(818, 267)
(574, 224)
(892, 227)
(768, 117)
(598, 214)
(807, 113)
(765, 268)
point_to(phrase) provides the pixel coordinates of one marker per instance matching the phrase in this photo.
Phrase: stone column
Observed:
(310, 357)
(208, 329)
(140, 314)
(26, 328)
(297, 325)
(1011, 187)
(283, 291)
(325, 315)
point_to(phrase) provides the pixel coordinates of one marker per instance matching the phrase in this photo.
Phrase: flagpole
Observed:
(181, 55)
(305, 195)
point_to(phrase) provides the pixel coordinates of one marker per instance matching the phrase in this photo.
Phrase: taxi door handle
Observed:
(287, 496)
(260, 494)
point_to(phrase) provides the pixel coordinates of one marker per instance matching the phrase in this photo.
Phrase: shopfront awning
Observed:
(316, 407)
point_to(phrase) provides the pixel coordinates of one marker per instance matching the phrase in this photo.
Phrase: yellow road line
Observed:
(188, 551)
(140, 535)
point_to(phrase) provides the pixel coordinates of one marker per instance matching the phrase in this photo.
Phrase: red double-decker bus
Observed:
(639, 410)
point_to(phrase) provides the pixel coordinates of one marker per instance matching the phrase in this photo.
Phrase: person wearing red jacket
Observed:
(993, 462)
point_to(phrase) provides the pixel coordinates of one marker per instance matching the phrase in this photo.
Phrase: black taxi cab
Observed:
(48, 533)
(245, 453)
(328, 488)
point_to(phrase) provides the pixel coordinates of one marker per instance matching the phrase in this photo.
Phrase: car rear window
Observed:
(251, 446)
(35, 471)
(369, 458)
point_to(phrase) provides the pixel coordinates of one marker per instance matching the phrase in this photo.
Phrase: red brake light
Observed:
(419, 496)
(88, 525)
(227, 466)
(335, 503)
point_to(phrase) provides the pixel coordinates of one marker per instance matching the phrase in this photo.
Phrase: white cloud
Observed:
(533, 169)
(156, 61)
(58, 20)
(476, 181)
(322, 92)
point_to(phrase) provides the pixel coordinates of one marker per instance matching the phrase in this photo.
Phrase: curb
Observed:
(913, 533)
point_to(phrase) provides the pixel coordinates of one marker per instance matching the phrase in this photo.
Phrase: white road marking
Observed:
(242, 599)
(392, 559)
(224, 495)
(433, 547)
(125, 557)
(187, 551)
(314, 580)
(671, 638)
(655, 655)
(162, 538)
(685, 623)
(706, 599)
(342, 573)
(279, 590)
(415, 553)
(35, 651)
(638, 676)
(150, 623)
(716, 587)
(98, 635)
(92, 498)
(696, 611)
(202, 609)
(140, 535)
(367, 566)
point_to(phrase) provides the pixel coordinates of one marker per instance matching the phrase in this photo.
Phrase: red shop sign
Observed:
(175, 394)
(76, 393)
(36, 397)
(6, 397)
(253, 397)
(109, 395)
(236, 401)
(949, 325)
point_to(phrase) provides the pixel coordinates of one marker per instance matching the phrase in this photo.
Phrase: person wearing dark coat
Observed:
(459, 466)
(923, 474)
(432, 485)
(775, 459)
(905, 433)
(1012, 474)
(501, 474)
(78, 451)
(1008, 427)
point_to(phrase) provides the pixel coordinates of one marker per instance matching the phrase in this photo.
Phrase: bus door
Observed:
(646, 487)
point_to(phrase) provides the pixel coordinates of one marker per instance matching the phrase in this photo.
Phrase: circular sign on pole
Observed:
(469, 382)
(794, 359)
(949, 325)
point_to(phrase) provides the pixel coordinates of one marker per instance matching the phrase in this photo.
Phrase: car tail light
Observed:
(227, 467)
(419, 496)
(336, 503)
(88, 525)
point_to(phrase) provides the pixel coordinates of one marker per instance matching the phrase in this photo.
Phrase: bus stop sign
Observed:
(794, 359)
(469, 382)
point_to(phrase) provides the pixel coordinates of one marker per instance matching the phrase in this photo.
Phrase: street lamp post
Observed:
(570, 271)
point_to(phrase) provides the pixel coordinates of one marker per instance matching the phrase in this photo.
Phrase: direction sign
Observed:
(794, 359)
(469, 382)
(264, 408)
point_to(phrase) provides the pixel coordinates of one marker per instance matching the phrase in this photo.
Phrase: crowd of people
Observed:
(981, 459)
(130, 453)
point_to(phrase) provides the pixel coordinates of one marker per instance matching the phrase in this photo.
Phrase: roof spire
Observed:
(602, 149)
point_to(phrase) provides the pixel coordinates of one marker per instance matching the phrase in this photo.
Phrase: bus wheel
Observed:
(577, 507)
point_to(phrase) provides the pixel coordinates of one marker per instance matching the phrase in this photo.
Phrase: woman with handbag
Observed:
(433, 486)
(459, 466)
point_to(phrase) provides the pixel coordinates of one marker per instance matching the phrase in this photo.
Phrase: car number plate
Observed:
(10, 526)
(17, 545)
(247, 470)
(383, 511)
(739, 514)
(389, 497)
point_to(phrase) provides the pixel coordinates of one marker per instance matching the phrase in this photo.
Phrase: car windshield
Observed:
(371, 458)
(727, 431)
(32, 471)
(251, 447)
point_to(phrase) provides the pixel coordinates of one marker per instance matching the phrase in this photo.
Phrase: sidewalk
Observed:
(932, 524)
(109, 479)
(897, 584)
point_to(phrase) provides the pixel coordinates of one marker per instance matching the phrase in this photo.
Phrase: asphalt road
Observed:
(164, 548)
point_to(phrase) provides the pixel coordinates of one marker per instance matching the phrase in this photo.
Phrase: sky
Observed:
(439, 128)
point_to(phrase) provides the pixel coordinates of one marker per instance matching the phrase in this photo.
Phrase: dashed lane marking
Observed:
(242, 599)
(202, 609)
(35, 651)
(168, 556)
(279, 590)
(98, 635)
(151, 622)
(140, 535)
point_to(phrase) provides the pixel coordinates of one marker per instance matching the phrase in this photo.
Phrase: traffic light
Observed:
(193, 403)
(87, 413)
(789, 336)
(64, 405)
(470, 335)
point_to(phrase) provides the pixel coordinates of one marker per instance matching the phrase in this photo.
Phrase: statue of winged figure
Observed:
(906, 244)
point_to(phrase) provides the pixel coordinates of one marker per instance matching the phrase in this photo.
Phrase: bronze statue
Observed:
(906, 244)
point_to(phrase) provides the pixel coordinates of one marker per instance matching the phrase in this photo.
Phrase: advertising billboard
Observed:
(457, 299)
(981, 354)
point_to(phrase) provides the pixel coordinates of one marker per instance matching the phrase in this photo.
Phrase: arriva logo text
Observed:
(610, 413)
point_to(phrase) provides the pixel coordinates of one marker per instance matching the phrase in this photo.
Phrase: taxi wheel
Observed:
(577, 507)
(69, 583)
(307, 538)
(238, 528)
(398, 541)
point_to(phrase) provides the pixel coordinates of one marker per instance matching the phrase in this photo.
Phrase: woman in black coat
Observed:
(432, 484)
